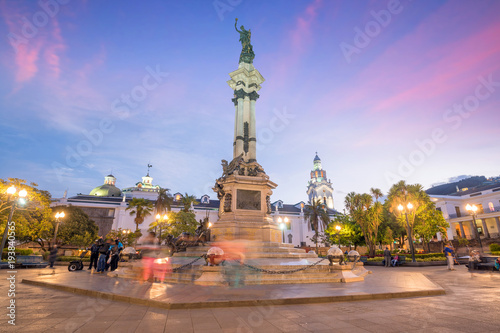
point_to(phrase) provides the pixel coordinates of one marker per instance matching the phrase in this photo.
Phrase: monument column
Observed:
(244, 189)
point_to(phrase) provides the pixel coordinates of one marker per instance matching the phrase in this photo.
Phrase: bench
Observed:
(401, 261)
(486, 263)
(30, 261)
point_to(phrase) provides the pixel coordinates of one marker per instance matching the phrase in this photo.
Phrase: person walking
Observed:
(94, 255)
(387, 257)
(53, 256)
(448, 252)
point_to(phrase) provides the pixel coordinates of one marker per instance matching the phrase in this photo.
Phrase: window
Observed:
(457, 230)
(439, 209)
(111, 212)
(290, 239)
(457, 210)
(492, 208)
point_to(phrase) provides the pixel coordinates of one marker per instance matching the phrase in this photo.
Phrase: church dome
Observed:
(106, 190)
(317, 158)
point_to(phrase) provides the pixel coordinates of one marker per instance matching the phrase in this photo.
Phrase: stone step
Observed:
(257, 255)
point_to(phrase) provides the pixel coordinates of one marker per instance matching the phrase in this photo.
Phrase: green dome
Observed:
(106, 190)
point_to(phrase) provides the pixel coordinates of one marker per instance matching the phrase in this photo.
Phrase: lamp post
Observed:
(282, 223)
(59, 215)
(408, 207)
(472, 209)
(11, 191)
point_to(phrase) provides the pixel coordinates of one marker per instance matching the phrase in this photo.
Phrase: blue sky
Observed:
(382, 90)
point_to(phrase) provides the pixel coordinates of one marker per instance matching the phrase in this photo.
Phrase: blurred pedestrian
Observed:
(53, 256)
(387, 257)
(448, 252)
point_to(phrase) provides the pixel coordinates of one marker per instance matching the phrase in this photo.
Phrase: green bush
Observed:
(376, 259)
(430, 255)
(494, 247)
(21, 252)
(495, 253)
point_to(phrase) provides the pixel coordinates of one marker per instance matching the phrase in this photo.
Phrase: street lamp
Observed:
(11, 191)
(408, 207)
(282, 223)
(472, 209)
(59, 215)
(159, 220)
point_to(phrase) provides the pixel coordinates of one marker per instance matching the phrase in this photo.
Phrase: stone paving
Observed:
(470, 305)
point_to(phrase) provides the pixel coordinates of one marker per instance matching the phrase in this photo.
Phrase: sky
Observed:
(382, 90)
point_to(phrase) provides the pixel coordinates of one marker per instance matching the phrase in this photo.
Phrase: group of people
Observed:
(389, 260)
(105, 255)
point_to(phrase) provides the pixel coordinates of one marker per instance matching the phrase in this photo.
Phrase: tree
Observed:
(421, 217)
(127, 239)
(163, 202)
(350, 232)
(141, 208)
(179, 222)
(34, 220)
(367, 214)
(429, 221)
(187, 200)
(316, 213)
(76, 228)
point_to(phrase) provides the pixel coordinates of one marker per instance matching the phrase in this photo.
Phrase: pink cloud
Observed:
(35, 51)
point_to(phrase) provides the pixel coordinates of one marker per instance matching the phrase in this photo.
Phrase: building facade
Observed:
(453, 206)
(107, 204)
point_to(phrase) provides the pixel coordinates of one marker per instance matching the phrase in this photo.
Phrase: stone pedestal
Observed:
(211, 276)
(244, 208)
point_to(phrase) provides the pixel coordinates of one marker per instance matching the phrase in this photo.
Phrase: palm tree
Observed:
(366, 214)
(140, 208)
(164, 201)
(187, 200)
(315, 213)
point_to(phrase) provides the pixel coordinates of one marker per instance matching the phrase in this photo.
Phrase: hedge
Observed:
(21, 252)
(495, 247)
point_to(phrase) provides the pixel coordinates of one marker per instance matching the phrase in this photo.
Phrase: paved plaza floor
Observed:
(469, 305)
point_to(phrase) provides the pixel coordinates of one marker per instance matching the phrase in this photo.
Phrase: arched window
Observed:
(290, 238)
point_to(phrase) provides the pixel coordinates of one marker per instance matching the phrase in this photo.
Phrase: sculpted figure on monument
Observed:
(268, 204)
(247, 54)
(229, 169)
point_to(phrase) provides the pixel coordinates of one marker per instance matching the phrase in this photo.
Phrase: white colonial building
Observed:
(453, 206)
(106, 205)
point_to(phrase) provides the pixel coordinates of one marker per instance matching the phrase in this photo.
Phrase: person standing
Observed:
(387, 257)
(94, 255)
(114, 254)
(448, 252)
(103, 251)
(53, 256)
